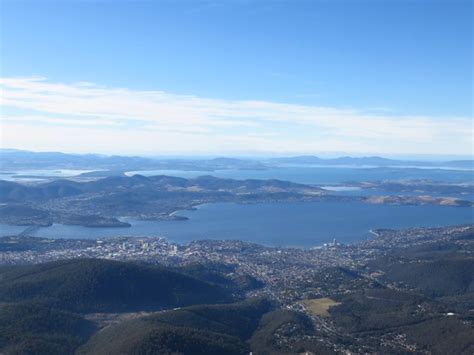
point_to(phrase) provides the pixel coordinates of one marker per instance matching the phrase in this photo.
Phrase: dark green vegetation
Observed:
(221, 275)
(379, 309)
(284, 331)
(441, 271)
(435, 278)
(442, 336)
(411, 299)
(29, 329)
(37, 300)
(208, 329)
(424, 293)
(369, 315)
(91, 285)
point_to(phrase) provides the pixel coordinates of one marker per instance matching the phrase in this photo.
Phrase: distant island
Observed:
(99, 202)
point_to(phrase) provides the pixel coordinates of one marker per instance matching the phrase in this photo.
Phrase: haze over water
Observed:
(325, 175)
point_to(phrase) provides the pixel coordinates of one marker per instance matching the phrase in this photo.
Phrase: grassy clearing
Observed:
(319, 306)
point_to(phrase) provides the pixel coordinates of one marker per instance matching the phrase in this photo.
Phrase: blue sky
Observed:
(238, 77)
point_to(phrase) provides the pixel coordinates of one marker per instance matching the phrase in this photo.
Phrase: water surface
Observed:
(325, 175)
(304, 224)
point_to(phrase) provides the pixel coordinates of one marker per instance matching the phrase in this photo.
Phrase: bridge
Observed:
(29, 231)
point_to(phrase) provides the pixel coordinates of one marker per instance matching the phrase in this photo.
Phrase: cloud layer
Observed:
(38, 114)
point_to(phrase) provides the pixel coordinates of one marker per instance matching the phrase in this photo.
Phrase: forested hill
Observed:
(206, 329)
(93, 285)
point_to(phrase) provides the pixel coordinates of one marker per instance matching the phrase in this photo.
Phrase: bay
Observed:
(300, 224)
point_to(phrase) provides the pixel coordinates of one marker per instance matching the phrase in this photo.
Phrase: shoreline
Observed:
(12, 240)
(373, 235)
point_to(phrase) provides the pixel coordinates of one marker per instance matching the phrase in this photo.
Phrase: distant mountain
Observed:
(91, 285)
(20, 159)
(10, 191)
(374, 161)
(11, 160)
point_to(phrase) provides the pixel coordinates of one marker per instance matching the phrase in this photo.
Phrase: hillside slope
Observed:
(92, 285)
(205, 329)
(27, 329)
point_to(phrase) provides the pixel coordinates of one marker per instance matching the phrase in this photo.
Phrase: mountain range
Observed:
(12, 159)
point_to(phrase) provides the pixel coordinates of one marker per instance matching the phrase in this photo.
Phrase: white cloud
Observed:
(88, 117)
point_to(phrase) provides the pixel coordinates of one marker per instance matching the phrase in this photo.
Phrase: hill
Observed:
(92, 285)
(60, 188)
(97, 203)
(29, 329)
(435, 278)
(204, 329)
(284, 331)
(442, 272)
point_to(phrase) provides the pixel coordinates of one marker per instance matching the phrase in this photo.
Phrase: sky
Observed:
(237, 77)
